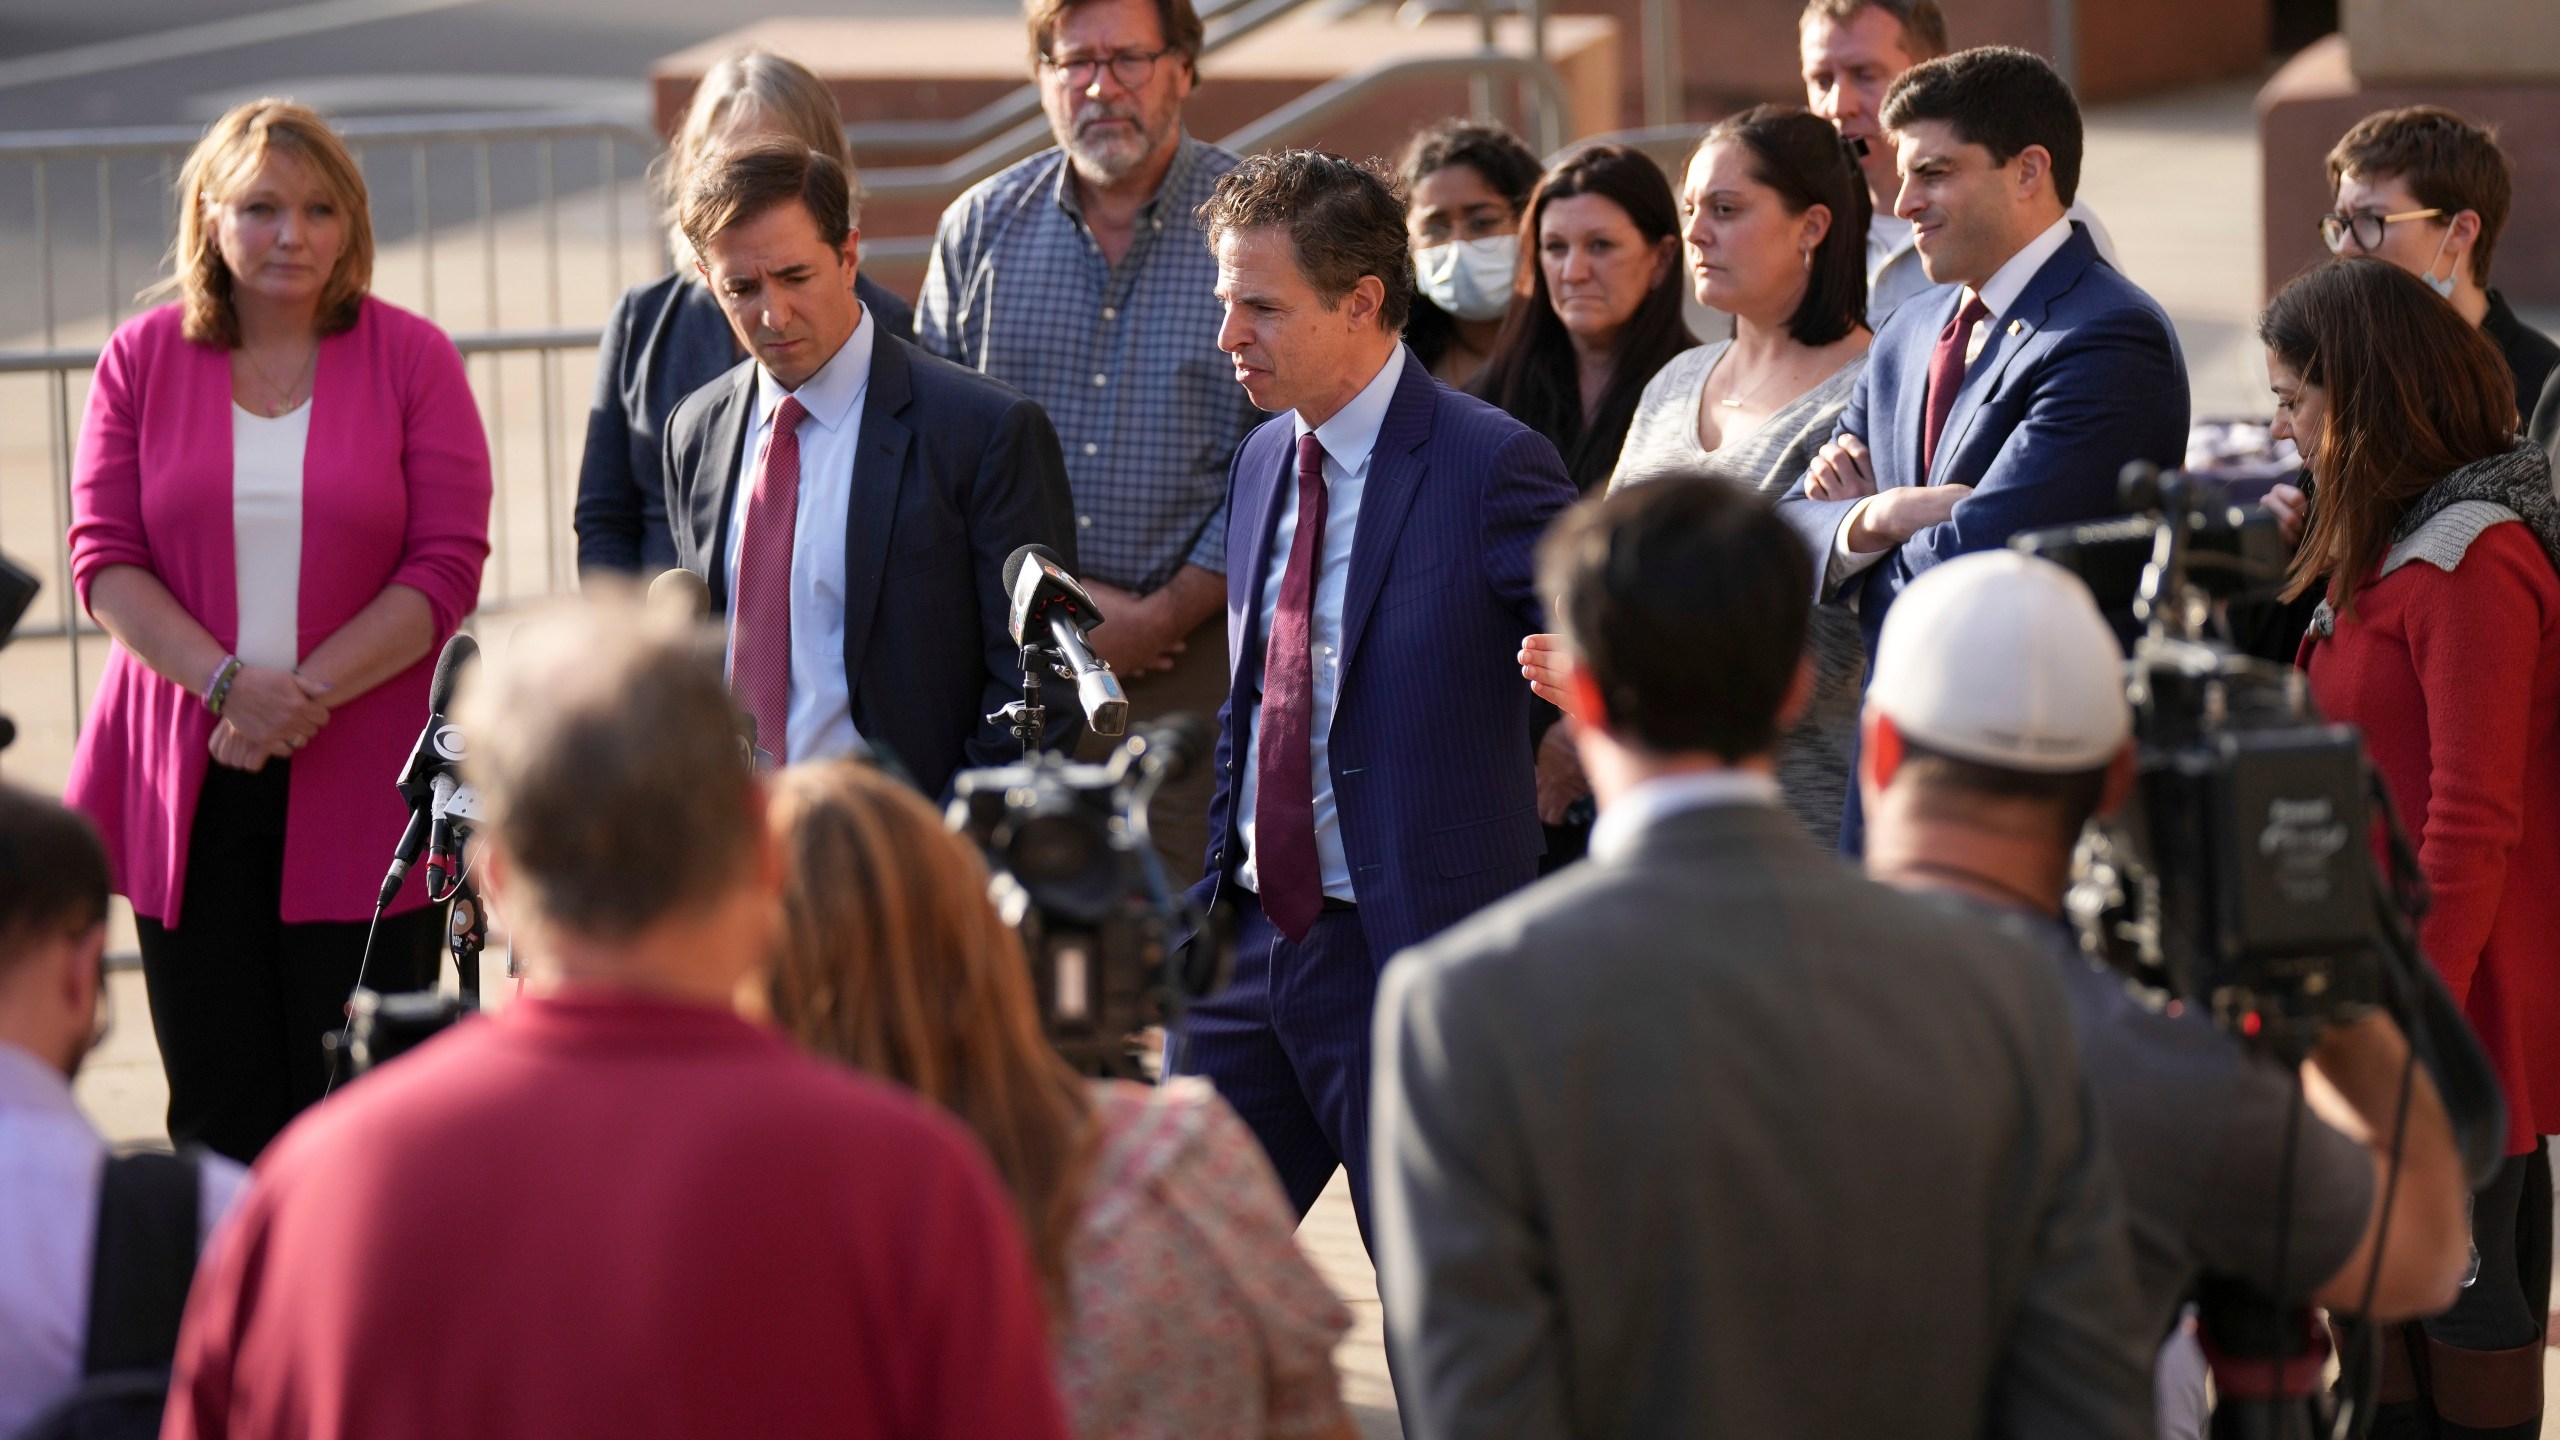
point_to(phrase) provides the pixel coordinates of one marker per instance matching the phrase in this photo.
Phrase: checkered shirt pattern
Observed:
(1125, 359)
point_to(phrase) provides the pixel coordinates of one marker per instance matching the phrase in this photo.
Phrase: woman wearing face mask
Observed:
(1603, 308)
(1464, 184)
(667, 338)
(2436, 548)
(1775, 221)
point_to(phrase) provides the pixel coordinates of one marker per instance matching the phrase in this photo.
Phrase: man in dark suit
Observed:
(2013, 397)
(858, 551)
(1708, 1136)
(1373, 763)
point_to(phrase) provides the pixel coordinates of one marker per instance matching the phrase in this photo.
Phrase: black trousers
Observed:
(240, 999)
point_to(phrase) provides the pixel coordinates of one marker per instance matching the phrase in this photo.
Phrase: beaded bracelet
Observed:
(218, 690)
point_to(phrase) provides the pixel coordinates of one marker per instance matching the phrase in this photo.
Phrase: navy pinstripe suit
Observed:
(1433, 789)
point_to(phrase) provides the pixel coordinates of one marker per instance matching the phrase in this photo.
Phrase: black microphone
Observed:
(1045, 595)
(438, 750)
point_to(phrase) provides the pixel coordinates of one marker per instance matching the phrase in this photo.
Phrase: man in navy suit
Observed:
(848, 499)
(1373, 767)
(2012, 397)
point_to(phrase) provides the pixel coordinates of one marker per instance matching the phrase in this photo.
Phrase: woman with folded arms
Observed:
(1181, 1304)
(668, 338)
(280, 511)
(2435, 546)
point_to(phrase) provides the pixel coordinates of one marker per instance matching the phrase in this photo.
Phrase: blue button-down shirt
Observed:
(1349, 438)
(819, 716)
(1124, 358)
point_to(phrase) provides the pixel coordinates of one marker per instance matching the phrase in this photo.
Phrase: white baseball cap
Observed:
(2003, 659)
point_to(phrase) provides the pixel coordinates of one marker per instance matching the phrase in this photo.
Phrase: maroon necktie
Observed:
(1946, 377)
(1284, 807)
(760, 620)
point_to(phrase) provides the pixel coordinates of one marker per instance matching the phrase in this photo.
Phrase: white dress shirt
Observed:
(1894, 271)
(1998, 295)
(51, 1162)
(1631, 814)
(821, 714)
(1349, 439)
(266, 534)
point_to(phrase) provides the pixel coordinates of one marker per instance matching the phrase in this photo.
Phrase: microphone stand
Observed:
(1029, 715)
(466, 923)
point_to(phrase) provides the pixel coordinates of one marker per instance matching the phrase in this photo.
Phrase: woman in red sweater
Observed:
(2435, 539)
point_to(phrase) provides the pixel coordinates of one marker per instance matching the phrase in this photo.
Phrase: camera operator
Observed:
(677, 1226)
(2436, 550)
(1996, 726)
(1707, 1136)
(62, 1195)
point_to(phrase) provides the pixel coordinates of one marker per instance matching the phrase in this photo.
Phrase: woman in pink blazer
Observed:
(281, 508)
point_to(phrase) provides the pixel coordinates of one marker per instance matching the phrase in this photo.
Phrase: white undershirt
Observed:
(266, 530)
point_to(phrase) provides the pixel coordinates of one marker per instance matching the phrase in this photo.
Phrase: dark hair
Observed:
(1507, 164)
(1686, 599)
(2000, 98)
(1924, 25)
(734, 185)
(1532, 374)
(2416, 392)
(53, 872)
(2449, 163)
(1176, 21)
(2071, 797)
(1504, 163)
(1799, 155)
(1343, 219)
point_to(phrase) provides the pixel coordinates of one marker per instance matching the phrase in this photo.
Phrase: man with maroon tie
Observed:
(1373, 768)
(2012, 396)
(849, 499)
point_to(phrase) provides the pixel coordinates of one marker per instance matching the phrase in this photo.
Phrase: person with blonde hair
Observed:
(1179, 1302)
(280, 512)
(666, 338)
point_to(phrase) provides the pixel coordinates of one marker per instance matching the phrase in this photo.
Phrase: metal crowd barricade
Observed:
(513, 231)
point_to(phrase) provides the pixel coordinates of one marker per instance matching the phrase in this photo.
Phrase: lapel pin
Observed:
(2017, 327)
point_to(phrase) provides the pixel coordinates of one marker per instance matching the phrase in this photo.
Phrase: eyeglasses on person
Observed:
(1131, 68)
(2366, 226)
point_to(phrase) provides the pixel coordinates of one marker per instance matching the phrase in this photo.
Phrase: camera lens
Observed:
(1053, 847)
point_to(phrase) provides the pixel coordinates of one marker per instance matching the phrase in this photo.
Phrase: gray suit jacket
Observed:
(1717, 1138)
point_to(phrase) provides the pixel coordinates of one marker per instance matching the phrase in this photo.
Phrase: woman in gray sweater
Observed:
(1774, 219)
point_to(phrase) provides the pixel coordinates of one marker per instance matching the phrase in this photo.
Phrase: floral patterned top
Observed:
(1194, 1312)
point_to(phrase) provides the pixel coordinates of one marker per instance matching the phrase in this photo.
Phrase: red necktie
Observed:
(1946, 377)
(1284, 809)
(760, 619)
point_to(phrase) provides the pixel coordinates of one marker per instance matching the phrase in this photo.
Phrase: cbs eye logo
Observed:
(448, 744)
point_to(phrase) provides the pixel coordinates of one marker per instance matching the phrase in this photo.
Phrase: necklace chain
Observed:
(284, 393)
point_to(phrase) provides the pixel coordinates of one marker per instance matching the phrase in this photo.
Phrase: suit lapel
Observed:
(1395, 475)
(1911, 398)
(879, 468)
(1260, 494)
(2016, 330)
(724, 450)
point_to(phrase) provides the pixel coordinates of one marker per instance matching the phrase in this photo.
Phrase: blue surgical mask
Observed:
(1470, 279)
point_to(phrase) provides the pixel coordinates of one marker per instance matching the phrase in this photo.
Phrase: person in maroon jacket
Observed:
(615, 1208)
(2436, 544)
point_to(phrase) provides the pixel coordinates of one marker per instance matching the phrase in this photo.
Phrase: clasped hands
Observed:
(1139, 633)
(268, 715)
(1842, 470)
